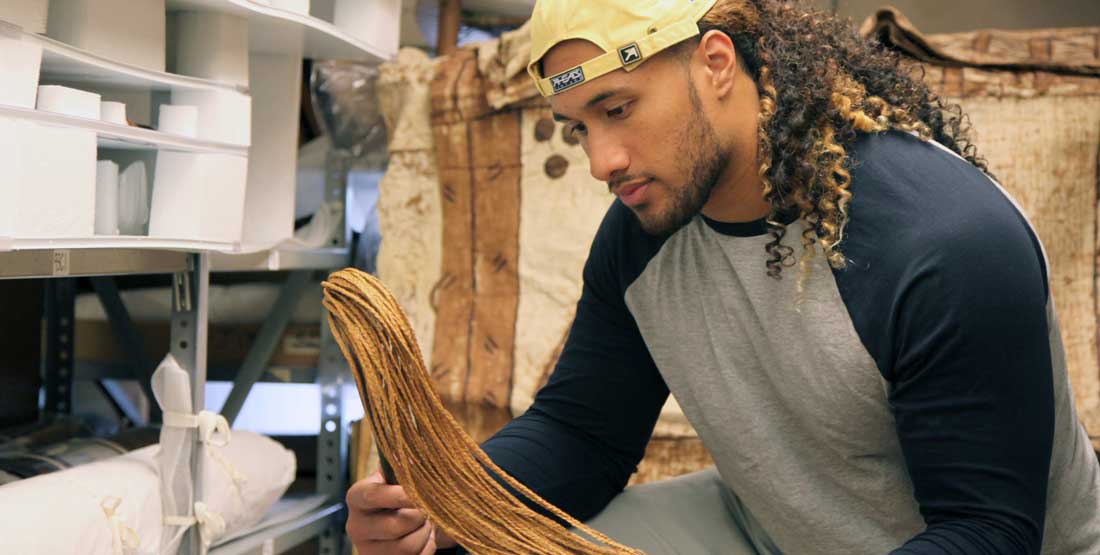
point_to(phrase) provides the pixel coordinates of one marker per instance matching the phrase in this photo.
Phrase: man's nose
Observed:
(606, 158)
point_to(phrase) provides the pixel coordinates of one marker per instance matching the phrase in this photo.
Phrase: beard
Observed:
(705, 160)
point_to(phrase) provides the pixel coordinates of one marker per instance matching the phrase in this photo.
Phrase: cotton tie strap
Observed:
(211, 524)
(124, 540)
(213, 428)
(441, 468)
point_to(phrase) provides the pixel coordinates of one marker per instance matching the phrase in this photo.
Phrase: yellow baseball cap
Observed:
(628, 31)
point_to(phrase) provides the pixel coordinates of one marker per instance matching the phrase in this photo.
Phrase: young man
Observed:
(899, 388)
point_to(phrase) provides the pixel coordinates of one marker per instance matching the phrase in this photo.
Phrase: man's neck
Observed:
(737, 198)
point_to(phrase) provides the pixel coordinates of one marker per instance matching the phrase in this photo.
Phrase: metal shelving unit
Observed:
(273, 32)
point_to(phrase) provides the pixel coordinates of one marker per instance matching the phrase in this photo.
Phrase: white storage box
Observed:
(126, 31)
(212, 46)
(20, 62)
(224, 116)
(28, 14)
(377, 23)
(198, 196)
(49, 179)
(273, 156)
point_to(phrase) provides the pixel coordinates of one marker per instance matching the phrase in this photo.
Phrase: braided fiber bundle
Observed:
(440, 467)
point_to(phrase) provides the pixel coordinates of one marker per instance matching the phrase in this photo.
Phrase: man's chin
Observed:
(655, 223)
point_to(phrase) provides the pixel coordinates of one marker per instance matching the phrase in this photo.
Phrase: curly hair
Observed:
(820, 85)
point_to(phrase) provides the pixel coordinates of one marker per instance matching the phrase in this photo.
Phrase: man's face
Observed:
(645, 134)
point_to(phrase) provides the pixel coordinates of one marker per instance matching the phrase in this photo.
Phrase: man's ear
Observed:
(719, 59)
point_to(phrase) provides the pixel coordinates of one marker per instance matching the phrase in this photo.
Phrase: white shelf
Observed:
(8, 244)
(279, 259)
(89, 262)
(63, 62)
(111, 135)
(284, 536)
(278, 31)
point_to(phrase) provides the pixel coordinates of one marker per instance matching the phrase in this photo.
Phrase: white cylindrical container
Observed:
(106, 198)
(179, 119)
(123, 31)
(71, 102)
(113, 112)
(212, 46)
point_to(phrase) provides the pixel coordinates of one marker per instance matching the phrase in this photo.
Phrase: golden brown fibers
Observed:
(441, 468)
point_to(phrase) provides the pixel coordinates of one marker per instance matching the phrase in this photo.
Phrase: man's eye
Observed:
(619, 111)
(577, 130)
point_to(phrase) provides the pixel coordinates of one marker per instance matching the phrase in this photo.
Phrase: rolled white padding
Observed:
(212, 45)
(120, 30)
(240, 481)
(106, 198)
(85, 506)
(198, 196)
(133, 200)
(68, 101)
(20, 61)
(113, 112)
(28, 14)
(178, 119)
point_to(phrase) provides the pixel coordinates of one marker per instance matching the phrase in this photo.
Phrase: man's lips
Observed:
(632, 193)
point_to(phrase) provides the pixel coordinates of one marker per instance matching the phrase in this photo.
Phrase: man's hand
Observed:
(382, 520)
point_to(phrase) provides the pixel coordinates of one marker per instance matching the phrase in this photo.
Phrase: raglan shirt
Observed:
(915, 402)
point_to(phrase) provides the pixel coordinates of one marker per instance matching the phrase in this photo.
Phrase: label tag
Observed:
(567, 79)
(59, 263)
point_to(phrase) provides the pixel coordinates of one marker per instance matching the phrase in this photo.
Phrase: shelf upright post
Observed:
(332, 444)
(57, 356)
(190, 295)
(337, 165)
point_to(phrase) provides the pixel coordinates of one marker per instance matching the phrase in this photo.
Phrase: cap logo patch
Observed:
(630, 54)
(567, 79)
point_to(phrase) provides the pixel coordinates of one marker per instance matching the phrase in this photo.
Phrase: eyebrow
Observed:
(591, 102)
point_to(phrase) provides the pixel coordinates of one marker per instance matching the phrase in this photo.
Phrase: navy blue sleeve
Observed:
(972, 392)
(586, 431)
(955, 316)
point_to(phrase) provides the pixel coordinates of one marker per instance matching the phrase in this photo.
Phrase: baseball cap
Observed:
(628, 31)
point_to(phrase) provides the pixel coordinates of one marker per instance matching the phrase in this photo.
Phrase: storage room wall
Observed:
(950, 16)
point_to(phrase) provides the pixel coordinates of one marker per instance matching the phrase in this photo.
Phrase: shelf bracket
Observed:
(259, 354)
(129, 340)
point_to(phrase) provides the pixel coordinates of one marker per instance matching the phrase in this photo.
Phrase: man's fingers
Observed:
(429, 548)
(417, 541)
(384, 525)
(372, 494)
